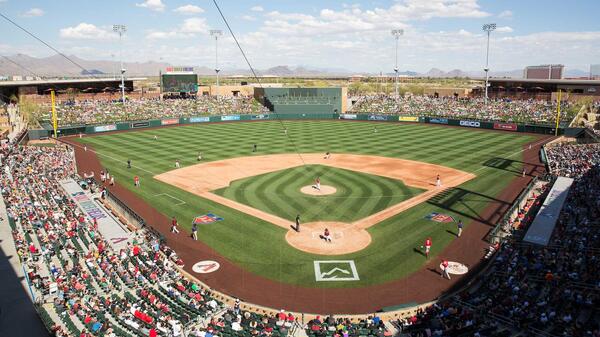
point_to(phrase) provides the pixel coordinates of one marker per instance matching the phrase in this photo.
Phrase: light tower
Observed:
(488, 28)
(216, 33)
(396, 33)
(121, 29)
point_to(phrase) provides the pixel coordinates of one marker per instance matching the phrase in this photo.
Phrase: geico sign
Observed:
(470, 124)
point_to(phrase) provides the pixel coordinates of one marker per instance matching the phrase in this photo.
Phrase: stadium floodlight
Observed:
(396, 33)
(216, 33)
(121, 29)
(488, 28)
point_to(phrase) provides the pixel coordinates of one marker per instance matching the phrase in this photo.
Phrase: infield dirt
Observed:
(203, 178)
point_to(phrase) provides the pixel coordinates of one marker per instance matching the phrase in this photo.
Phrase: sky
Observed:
(351, 35)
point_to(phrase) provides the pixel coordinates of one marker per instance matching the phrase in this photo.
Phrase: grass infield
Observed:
(260, 247)
(358, 194)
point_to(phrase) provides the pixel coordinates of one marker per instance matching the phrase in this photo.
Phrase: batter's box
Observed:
(335, 270)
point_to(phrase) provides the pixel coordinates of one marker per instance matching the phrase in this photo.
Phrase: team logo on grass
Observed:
(206, 219)
(456, 268)
(337, 270)
(205, 267)
(439, 217)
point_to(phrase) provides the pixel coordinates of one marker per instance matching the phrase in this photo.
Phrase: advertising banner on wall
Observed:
(348, 116)
(230, 118)
(470, 124)
(170, 121)
(104, 128)
(257, 117)
(438, 120)
(140, 125)
(199, 119)
(408, 119)
(378, 118)
(505, 126)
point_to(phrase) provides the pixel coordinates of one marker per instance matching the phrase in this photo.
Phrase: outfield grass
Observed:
(261, 247)
(358, 195)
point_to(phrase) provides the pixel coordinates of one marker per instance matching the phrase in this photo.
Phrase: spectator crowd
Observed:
(500, 110)
(544, 291)
(88, 287)
(75, 112)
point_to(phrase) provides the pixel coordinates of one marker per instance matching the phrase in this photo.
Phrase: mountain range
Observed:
(73, 66)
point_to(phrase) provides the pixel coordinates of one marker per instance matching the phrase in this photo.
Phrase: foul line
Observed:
(181, 202)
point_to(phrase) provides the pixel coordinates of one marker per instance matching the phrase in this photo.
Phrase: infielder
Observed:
(298, 223)
(327, 155)
(438, 181)
(460, 228)
(199, 156)
(177, 163)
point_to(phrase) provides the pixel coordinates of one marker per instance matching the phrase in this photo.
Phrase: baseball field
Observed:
(383, 180)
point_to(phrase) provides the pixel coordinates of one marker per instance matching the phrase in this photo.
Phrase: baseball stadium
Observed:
(218, 206)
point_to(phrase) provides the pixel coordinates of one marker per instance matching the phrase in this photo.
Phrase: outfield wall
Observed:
(142, 124)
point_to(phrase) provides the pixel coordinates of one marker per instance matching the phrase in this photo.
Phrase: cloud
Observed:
(505, 29)
(257, 9)
(189, 10)
(86, 31)
(354, 19)
(153, 5)
(34, 12)
(187, 29)
(248, 18)
(505, 14)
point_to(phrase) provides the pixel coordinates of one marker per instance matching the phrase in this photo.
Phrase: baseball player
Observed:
(327, 155)
(155, 137)
(174, 226)
(374, 129)
(112, 181)
(317, 184)
(327, 235)
(136, 181)
(177, 163)
(460, 228)
(445, 272)
(254, 148)
(128, 163)
(85, 148)
(427, 247)
(438, 181)
(524, 172)
(285, 131)
(195, 232)
(298, 223)
(199, 156)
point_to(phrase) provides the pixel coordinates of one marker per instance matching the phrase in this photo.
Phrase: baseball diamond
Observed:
(259, 248)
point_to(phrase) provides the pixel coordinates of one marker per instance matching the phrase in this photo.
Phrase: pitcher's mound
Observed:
(311, 190)
(345, 238)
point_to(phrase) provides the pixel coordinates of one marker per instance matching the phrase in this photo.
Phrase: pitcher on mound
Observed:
(317, 184)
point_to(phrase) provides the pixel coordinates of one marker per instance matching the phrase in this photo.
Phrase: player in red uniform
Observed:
(445, 269)
(427, 247)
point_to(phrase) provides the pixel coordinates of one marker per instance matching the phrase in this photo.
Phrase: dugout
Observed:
(303, 100)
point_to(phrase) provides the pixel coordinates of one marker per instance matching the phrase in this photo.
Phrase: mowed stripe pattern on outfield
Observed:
(259, 246)
(358, 194)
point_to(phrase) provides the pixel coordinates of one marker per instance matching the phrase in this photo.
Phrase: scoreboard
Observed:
(187, 83)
